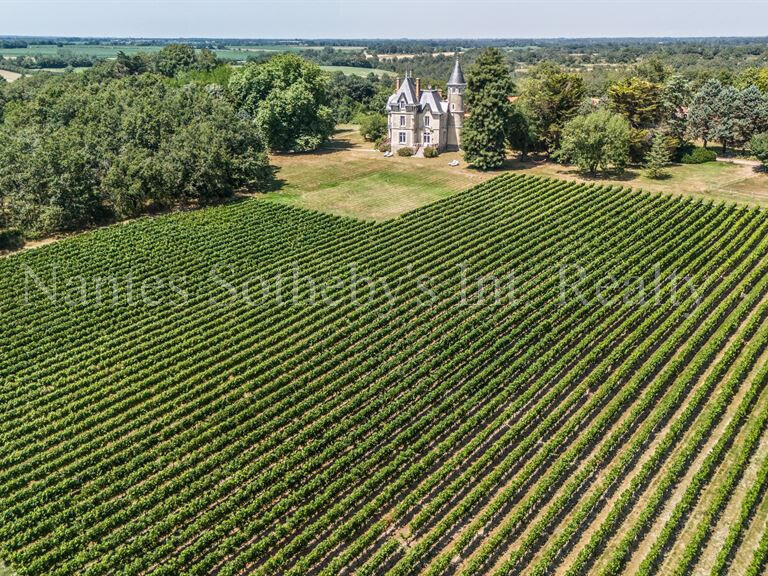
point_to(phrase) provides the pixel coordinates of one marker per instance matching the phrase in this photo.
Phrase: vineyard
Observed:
(533, 376)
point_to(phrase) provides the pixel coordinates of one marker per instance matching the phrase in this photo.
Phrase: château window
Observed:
(402, 120)
(427, 137)
(453, 106)
(426, 120)
(401, 137)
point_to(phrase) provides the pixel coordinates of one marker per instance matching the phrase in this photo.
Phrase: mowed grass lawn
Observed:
(349, 178)
(721, 181)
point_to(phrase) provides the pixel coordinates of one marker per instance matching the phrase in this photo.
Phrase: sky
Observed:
(383, 18)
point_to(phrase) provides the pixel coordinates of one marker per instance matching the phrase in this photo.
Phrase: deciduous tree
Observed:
(598, 141)
(638, 100)
(287, 96)
(549, 97)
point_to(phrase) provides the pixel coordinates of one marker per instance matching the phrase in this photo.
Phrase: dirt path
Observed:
(9, 76)
(740, 161)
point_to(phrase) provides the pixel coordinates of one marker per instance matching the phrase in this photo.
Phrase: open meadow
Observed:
(348, 177)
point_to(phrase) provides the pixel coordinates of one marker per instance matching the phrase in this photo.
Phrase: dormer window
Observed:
(402, 105)
(426, 119)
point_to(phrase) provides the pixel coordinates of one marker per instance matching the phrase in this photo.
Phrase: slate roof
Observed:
(457, 76)
(407, 88)
(432, 99)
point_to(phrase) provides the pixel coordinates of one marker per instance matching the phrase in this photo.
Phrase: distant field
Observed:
(356, 70)
(110, 51)
(10, 77)
(289, 48)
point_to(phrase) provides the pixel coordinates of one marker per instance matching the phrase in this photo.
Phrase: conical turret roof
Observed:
(457, 76)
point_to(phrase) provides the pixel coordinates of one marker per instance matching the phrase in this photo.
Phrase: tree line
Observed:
(143, 133)
(650, 116)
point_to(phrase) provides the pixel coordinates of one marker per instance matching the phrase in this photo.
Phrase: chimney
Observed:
(397, 83)
(418, 89)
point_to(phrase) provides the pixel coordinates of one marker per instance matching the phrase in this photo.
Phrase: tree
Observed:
(752, 77)
(726, 125)
(653, 69)
(373, 127)
(759, 147)
(519, 133)
(675, 98)
(750, 112)
(287, 96)
(638, 100)
(175, 58)
(598, 141)
(83, 148)
(657, 158)
(704, 112)
(550, 97)
(484, 135)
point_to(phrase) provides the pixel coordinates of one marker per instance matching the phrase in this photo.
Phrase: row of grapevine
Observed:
(387, 433)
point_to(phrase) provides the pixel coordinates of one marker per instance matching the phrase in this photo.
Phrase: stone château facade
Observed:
(419, 118)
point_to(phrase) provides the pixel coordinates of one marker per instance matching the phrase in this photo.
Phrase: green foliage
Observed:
(699, 156)
(704, 112)
(598, 141)
(550, 97)
(287, 96)
(654, 69)
(485, 131)
(640, 140)
(405, 151)
(175, 58)
(11, 239)
(759, 147)
(752, 77)
(268, 404)
(638, 100)
(520, 133)
(350, 95)
(430, 152)
(727, 115)
(218, 75)
(657, 158)
(675, 98)
(81, 151)
(373, 127)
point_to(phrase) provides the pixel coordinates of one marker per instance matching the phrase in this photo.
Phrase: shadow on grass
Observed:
(568, 170)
